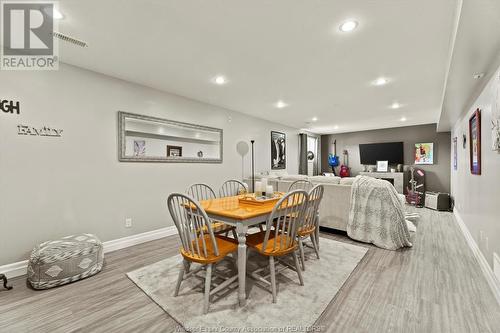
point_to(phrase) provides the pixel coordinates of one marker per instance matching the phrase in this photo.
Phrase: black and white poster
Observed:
(278, 150)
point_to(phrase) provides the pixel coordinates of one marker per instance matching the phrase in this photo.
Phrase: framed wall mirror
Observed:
(150, 139)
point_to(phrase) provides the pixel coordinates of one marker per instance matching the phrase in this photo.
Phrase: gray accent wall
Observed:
(52, 187)
(437, 175)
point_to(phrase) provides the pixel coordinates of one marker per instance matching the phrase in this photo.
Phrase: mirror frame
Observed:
(122, 142)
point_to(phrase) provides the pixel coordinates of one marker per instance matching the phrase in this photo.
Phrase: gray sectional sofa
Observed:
(334, 209)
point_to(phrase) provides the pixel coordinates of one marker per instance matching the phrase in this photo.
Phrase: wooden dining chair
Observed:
(301, 184)
(310, 222)
(198, 246)
(201, 192)
(280, 237)
(231, 188)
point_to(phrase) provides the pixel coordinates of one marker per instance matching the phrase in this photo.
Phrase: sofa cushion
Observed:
(278, 173)
(347, 180)
(294, 177)
(260, 176)
(325, 180)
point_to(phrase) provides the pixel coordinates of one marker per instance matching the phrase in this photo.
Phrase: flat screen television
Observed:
(370, 153)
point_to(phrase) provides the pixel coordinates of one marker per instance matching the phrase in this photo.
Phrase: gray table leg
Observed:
(241, 230)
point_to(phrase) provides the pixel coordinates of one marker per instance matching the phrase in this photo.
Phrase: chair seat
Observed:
(306, 231)
(256, 241)
(226, 245)
(217, 227)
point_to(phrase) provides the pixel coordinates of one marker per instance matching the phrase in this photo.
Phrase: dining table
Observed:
(241, 214)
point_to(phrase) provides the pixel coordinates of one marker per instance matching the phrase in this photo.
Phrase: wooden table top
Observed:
(231, 207)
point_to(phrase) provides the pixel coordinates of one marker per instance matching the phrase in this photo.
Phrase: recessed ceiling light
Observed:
(395, 105)
(280, 104)
(403, 119)
(58, 15)
(380, 81)
(220, 80)
(348, 26)
(336, 127)
(315, 119)
(55, 13)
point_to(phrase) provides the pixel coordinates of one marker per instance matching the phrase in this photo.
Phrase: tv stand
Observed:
(395, 178)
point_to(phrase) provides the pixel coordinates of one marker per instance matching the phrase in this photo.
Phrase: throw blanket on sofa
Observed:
(377, 214)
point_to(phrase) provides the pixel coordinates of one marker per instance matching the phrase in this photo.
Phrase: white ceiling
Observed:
(290, 50)
(476, 50)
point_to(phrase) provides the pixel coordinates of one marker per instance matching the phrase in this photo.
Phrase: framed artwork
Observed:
(139, 148)
(475, 142)
(174, 151)
(455, 153)
(278, 150)
(495, 121)
(382, 166)
(424, 153)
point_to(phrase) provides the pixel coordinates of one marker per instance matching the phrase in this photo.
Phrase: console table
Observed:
(396, 178)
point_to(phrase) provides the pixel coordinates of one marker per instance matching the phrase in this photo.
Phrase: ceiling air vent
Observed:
(69, 39)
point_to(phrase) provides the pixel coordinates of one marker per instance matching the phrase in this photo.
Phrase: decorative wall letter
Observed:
(10, 106)
(43, 131)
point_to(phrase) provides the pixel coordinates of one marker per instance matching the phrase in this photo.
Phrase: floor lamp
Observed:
(253, 172)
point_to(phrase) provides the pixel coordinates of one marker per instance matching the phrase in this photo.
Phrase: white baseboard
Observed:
(483, 263)
(19, 268)
(148, 236)
(15, 269)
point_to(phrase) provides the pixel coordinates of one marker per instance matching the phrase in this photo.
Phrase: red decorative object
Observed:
(344, 169)
(475, 142)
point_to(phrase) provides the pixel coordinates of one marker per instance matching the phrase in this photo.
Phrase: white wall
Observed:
(51, 187)
(477, 197)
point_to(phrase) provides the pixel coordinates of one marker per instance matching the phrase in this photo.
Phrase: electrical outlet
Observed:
(128, 222)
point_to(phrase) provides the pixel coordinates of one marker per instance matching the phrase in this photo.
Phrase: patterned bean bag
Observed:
(63, 261)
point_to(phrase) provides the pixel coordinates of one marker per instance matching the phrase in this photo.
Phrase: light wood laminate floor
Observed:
(436, 286)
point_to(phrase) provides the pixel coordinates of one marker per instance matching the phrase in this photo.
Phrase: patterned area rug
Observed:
(298, 306)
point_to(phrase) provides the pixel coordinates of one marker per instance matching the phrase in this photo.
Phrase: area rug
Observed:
(298, 307)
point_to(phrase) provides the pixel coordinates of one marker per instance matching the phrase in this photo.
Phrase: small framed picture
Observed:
(382, 166)
(174, 151)
(424, 153)
(139, 148)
